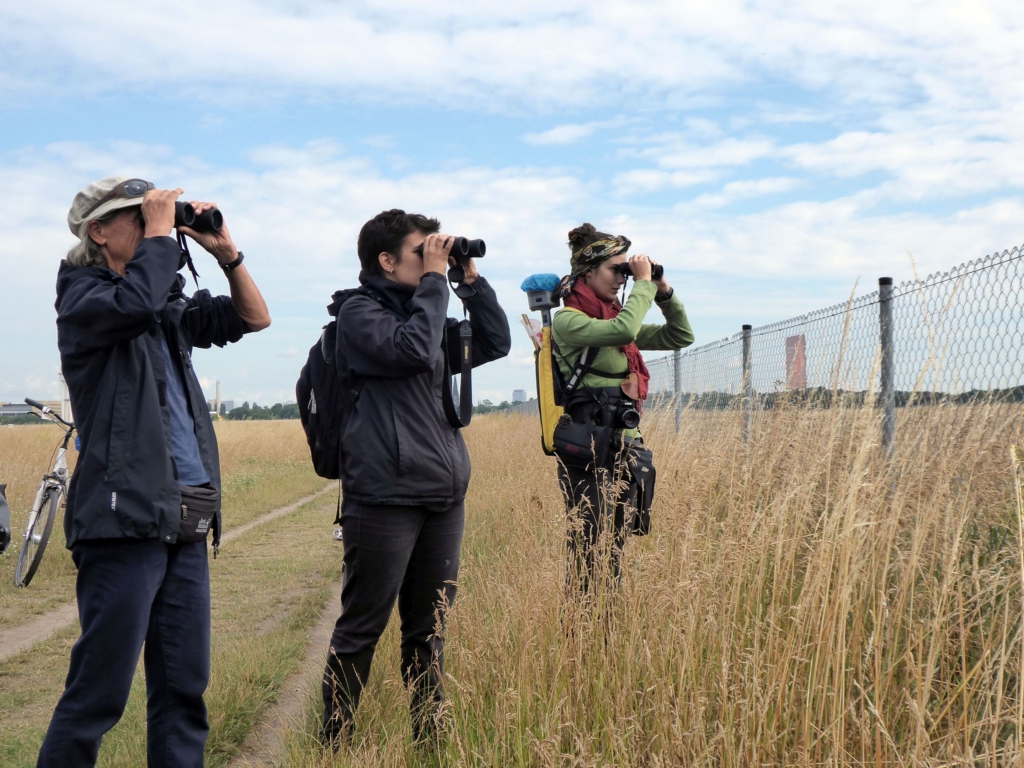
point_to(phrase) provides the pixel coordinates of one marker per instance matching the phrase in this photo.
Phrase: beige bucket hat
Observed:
(103, 196)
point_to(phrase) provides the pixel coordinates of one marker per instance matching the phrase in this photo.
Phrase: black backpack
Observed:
(324, 395)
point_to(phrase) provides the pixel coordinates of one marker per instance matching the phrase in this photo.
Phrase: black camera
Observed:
(210, 220)
(657, 272)
(620, 415)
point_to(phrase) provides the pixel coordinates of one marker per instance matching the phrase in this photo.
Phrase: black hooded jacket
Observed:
(125, 484)
(398, 447)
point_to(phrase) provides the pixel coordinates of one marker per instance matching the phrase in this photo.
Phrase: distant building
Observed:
(15, 409)
(23, 409)
(518, 395)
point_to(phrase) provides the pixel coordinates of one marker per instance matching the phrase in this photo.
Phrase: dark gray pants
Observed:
(598, 503)
(404, 554)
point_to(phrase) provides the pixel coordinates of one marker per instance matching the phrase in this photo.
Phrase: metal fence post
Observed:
(677, 384)
(888, 374)
(748, 389)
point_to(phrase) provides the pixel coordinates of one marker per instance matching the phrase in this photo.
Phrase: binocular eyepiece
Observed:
(657, 271)
(210, 220)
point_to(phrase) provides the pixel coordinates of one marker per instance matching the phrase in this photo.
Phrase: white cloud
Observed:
(562, 134)
(744, 190)
(524, 55)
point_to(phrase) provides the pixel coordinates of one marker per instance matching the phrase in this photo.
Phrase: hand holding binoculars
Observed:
(210, 220)
(462, 251)
(657, 271)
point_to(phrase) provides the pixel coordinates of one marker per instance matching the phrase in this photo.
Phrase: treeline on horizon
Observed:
(823, 397)
(277, 411)
(254, 412)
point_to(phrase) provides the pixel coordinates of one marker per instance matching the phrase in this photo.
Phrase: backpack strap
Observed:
(583, 364)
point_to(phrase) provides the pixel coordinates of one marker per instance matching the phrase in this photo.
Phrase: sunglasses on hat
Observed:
(126, 189)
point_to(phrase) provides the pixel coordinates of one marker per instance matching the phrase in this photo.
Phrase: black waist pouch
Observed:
(582, 445)
(640, 461)
(198, 512)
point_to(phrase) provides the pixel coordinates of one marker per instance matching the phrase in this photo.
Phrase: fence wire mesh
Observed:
(957, 346)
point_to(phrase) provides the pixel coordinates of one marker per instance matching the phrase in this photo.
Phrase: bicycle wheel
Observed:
(36, 539)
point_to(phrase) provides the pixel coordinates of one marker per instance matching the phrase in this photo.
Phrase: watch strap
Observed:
(232, 265)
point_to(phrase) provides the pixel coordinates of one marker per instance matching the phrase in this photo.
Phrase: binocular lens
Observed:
(210, 220)
(464, 248)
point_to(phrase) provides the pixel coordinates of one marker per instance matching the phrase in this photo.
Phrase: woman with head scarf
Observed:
(608, 388)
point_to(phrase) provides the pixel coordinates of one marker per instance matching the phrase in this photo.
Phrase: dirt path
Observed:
(265, 745)
(17, 639)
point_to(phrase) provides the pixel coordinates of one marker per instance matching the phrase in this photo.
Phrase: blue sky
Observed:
(769, 154)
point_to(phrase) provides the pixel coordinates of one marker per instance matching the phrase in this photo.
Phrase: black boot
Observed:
(342, 686)
(423, 677)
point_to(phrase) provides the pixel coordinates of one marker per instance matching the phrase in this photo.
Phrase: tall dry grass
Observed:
(799, 602)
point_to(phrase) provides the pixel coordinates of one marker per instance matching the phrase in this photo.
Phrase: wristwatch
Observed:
(659, 296)
(230, 266)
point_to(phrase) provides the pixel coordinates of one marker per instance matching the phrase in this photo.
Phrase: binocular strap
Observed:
(462, 417)
(186, 258)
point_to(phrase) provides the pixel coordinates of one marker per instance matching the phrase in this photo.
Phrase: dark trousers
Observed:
(132, 591)
(598, 502)
(408, 554)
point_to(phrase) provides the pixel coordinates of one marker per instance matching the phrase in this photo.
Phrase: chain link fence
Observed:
(952, 341)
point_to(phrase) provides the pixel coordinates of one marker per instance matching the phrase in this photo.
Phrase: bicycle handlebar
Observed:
(48, 412)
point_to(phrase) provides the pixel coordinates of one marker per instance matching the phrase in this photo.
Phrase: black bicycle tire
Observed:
(50, 502)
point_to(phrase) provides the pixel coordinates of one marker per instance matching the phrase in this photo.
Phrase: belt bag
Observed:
(640, 461)
(198, 512)
(582, 445)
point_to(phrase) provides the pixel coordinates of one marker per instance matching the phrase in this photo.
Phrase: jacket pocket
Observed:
(120, 430)
(422, 450)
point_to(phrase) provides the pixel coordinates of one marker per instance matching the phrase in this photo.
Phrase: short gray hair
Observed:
(88, 253)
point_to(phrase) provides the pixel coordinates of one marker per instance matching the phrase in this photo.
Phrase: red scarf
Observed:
(585, 300)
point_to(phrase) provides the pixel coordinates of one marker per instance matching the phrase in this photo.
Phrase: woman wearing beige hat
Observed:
(146, 488)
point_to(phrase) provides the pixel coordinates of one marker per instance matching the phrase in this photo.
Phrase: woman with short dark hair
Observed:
(601, 494)
(404, 466)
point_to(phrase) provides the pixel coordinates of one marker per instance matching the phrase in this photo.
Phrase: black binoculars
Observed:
(657, 271)
(463, 249)
(210, 220)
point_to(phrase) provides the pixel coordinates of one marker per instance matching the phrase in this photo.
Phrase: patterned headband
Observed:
(598, 252)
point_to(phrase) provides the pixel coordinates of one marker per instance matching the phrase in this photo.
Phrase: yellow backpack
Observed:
(551, 389)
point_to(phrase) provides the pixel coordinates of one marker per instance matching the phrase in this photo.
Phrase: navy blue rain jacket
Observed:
(398, 447)
(125, 484)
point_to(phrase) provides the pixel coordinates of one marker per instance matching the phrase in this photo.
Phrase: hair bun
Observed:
(581, 236)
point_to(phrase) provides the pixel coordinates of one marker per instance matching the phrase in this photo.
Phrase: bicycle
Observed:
(52, 490)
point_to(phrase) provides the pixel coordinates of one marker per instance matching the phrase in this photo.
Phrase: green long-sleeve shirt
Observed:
(573, 331)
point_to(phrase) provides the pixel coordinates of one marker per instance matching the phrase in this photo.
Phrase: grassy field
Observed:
(263, 465)
(799, 602)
